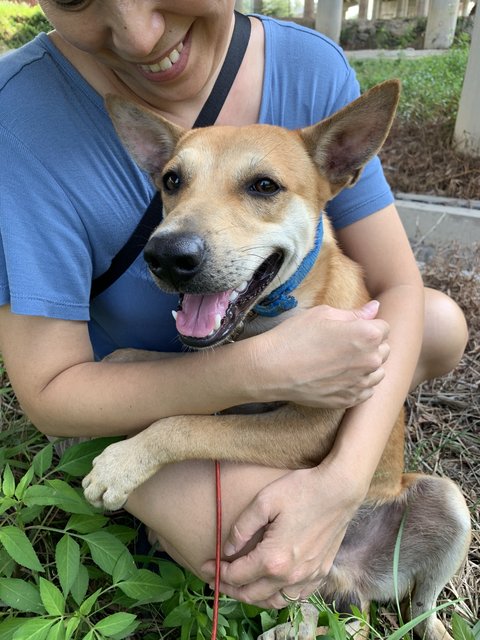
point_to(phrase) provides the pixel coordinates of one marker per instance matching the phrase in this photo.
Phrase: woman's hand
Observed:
(325, 357)
(304, 516)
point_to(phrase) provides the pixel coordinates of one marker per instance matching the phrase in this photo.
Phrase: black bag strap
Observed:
(207, 116)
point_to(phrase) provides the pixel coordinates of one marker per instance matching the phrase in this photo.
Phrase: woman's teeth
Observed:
(166, 63)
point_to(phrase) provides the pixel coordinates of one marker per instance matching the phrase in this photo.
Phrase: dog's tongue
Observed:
(198, 315)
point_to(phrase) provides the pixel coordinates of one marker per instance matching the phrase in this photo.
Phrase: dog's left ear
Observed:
(150, 138)
(343, 143)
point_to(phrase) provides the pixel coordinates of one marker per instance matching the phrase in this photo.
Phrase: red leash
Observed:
(218, 550)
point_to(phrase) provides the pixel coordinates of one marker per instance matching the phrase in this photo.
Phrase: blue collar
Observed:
(279, 299)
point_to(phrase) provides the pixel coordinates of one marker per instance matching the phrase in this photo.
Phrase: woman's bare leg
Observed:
(445, 337)
(178, 503)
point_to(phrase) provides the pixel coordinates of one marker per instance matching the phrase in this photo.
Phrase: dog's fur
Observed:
(223, 218)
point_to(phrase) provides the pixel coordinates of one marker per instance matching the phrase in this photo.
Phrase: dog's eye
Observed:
(264, 187)
(171, 181)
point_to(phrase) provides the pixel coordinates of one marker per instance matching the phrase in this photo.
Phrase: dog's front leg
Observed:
(290, 437)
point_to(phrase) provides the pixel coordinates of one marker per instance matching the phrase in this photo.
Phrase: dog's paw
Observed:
(113, 477)
(304, 630)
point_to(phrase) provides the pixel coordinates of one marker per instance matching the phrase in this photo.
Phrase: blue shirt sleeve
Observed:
(33, 253)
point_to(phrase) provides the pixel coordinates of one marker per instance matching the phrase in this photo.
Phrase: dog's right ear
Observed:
(149, 138)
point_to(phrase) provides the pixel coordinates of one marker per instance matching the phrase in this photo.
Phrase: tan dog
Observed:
(242, 210)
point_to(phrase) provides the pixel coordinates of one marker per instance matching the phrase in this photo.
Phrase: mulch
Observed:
(420, 158)
(443, 434)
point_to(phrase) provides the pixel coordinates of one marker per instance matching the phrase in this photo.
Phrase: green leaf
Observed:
(87, 605)
(29, 514)
(86, 524)
(52, 598)
(21, 595)
(9, 626)
(67, 559)
(59, 494)
(115, 623)
(79, 587)
(77, 460)
(461, 629)
(34, 629)
(180, 615)
(24, 483)
(19, 547)
(72, 626)
(105, 549)
(7, 564)
(8, 484)
(57, 632)
(124, 568)
(146, 586)
(6, 504)
(171, 574)
(42, 460)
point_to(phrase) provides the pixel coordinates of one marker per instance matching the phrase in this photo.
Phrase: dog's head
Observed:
(242, 204)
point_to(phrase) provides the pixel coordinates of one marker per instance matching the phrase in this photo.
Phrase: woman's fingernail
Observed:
(229, 549)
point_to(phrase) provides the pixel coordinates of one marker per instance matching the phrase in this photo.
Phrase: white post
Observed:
(377, 9)
(441, 23)
(422, 8)
(363, 9)
(402, 8)
(467, 126)
(329, 18)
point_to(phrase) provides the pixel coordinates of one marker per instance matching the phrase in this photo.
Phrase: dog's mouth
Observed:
(206, 320)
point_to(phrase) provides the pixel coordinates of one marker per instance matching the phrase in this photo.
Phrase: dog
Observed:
(224, 190)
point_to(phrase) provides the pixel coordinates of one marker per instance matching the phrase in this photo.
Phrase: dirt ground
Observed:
(444, 415)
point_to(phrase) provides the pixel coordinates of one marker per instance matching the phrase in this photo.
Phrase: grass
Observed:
(431, 86)
(19, 23)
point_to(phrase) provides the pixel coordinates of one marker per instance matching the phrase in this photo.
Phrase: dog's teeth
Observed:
(233, 296)
(218, 322)
(242, 287)
(174, 314)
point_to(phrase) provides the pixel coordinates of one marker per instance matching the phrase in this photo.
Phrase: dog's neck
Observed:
(280, 299)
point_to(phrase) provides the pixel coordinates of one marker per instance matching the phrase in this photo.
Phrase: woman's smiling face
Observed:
(162, 50)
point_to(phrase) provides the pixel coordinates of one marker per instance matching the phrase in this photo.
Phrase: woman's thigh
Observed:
(179, 504)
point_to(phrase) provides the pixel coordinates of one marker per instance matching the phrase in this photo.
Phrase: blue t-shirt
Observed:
(70, 194)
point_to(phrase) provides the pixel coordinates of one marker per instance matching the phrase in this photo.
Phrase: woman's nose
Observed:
(136, 28)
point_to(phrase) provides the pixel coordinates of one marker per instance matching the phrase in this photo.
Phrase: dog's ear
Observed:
(149, 138)
(343, 143)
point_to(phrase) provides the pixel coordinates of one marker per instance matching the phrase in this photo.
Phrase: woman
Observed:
(71, 197)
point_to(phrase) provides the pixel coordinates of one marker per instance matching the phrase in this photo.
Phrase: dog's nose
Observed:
(175, 257)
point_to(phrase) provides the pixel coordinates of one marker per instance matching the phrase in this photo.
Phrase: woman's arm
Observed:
(380, 245)
(64, 392)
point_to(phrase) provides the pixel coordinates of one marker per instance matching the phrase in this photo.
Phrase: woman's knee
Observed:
(445, 336)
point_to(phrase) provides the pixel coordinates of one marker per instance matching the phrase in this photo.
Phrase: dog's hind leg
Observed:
(442, 526)
(431, 522)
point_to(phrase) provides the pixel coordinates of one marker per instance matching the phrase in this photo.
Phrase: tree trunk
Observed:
(467, 126)
(309, 9)
(329, 18)
(422, 8)
(441, 23)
